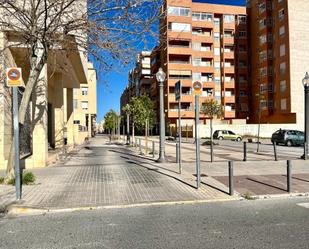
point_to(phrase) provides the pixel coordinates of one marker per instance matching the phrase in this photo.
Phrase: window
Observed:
(263, 56)
(180, 27)
(84, 105)
(196, 76)
(282, 68)
(263, 39)
(262, 7)
(201, 16)
(217, 51)
(217, 66)
(229, 18)
(263, 104)
(75, 103)
(242, 19)
(282, 86)
(217, 37)
(281, 14)
(217, 21)
(281, 30)
(262, 23)
(263, 71)
(283, 104)
(84, 91)
(178, 11)
(242, 34)
(196, 46)
(217, 80)
(197, 62)
(282, 50)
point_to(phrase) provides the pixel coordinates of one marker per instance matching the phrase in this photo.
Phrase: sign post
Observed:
(178, 90)
(14, 80)
(197, 90)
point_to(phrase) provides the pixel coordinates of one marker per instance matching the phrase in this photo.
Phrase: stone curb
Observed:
(16, 210)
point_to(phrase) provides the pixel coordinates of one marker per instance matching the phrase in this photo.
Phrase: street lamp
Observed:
(306, 113)
(160, 75)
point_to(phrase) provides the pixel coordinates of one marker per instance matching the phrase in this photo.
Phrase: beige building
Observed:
(85, 108)
(50, 118)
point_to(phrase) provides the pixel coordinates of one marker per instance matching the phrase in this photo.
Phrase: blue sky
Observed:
(111, 85)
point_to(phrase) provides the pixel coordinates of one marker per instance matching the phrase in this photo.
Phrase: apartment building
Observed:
(207, 43)
(85, 107)
(279, 34)
(139, 79)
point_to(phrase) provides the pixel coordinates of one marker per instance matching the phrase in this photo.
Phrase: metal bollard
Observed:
(177, 152)
(275, 151)
(305, 151)
(245, 152)
(231, 182)
(153, 149)
(289, 176)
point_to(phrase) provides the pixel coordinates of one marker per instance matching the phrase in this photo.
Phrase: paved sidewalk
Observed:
(101, 174)
(254, 177)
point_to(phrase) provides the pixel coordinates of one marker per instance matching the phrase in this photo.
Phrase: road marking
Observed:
(305, 205)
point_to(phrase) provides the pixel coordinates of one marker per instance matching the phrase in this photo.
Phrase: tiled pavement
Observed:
(98, 176)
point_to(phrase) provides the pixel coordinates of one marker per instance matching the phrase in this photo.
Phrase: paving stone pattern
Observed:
(98, 175)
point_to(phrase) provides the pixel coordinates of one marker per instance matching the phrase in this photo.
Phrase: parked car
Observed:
(226, 134)
(288, 137)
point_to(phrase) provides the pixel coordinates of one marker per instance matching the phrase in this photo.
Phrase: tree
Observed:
(110, 121)
(212, 109)
(99, 29)
(141, 111)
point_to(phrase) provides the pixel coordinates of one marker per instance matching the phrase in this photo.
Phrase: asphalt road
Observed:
(238, 224)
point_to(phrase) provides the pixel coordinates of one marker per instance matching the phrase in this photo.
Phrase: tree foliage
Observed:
(110, 120)
(98, 28)
(140, 109)
(212, 109)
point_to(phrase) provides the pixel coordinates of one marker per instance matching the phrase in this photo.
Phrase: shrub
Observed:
(28, 178)
(1, 180)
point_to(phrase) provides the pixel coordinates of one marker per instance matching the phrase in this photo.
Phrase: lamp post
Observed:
(160, 75)
(306, 114)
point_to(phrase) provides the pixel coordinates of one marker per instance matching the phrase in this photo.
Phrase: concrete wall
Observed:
(246, 129)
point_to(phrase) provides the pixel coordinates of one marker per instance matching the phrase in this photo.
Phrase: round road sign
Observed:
(197, 87)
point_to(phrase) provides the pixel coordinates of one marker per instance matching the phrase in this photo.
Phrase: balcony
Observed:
(203, 24)
(229, 84)
(230, 114)
(184, 82)
(179, 35)
(228, 40)
(185, 113)
(184, 98)
(229, 55)
(229, 99)
(203, 53)
(202, 38)
(179, 50)
(229, 70)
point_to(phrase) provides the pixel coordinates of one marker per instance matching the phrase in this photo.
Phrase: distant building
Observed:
(279, 34)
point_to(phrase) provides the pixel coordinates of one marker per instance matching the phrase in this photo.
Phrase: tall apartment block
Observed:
(207, 43)
(279, 35)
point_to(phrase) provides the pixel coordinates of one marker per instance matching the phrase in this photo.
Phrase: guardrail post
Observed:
(231, 182)
(289, 176)
(245, 152)
(153, 149)
(275, 151)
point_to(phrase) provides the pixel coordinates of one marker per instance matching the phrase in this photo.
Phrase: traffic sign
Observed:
(177, 90)
(14, 77)
(197, 88)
